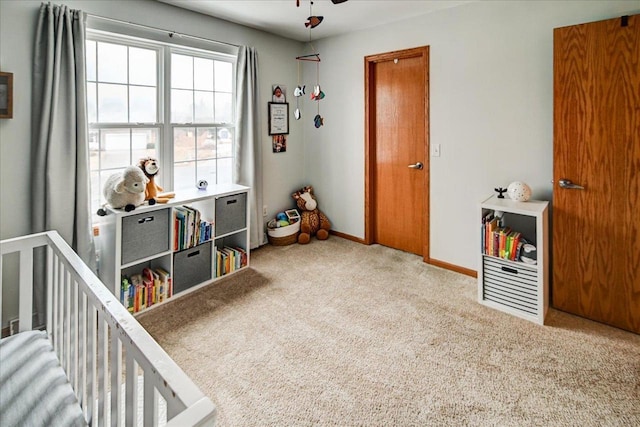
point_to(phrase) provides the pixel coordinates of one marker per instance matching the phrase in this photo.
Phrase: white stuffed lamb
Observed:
(125, 190)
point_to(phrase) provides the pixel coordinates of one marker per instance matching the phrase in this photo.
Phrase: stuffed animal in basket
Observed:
(152, 193)
(125, 190)
(312, 221)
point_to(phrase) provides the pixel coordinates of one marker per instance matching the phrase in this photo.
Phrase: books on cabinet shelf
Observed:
(142, 290)
(229, 260)
(500, 241)
(190, 229)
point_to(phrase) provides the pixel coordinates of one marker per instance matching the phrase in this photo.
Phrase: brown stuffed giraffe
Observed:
(312, 221)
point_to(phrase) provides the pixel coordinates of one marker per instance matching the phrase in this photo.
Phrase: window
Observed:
(202, 93)
(147, 98)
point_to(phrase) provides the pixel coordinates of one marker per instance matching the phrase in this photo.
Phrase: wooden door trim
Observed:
(370, 142)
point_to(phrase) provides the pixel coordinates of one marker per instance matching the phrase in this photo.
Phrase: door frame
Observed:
(370, 142)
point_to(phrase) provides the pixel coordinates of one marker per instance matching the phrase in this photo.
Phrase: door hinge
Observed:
(624, 21)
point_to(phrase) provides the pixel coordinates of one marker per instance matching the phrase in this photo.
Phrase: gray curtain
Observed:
(60, 187)
(248, 170)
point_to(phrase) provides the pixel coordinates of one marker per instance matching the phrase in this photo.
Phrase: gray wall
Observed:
(491, 110)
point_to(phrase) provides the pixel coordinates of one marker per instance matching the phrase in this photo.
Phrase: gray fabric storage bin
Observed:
(145, 234)
(191, 267)
(231, 213)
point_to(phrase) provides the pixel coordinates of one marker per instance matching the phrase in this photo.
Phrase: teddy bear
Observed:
(125, 190)
(152, 193)
(312, 221)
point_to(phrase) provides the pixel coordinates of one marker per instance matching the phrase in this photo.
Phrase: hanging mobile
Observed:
(317, 95)
(298, 92)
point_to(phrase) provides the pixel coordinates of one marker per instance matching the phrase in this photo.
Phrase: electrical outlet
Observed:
(264, 210)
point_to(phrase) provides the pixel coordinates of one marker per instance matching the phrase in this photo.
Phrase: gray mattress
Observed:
(34, 390)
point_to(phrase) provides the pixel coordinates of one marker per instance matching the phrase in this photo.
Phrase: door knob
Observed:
(416, 166)
(566, 183)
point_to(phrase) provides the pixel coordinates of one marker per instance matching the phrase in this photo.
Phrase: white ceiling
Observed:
(283, 18)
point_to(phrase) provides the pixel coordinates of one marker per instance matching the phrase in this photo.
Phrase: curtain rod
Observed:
(169, 33)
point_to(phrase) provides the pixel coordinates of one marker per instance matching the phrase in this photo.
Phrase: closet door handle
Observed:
(416, 166)
(567, 184)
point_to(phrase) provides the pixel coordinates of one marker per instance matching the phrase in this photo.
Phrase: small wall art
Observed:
(278, 118)
(279, 143)
(279, 93)
(6, 95)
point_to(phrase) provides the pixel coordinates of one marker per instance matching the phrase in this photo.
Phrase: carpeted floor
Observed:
(339, 333)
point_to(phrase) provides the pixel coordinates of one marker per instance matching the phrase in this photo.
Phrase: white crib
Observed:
(118, 373)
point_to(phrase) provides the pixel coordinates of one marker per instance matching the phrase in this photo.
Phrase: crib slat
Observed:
(103, 367)
(55, 306)
(75, 356)
(131, 414)
(81, 391)
(67, 320)
(1, 259)
(25, 311)
(150, 403)
(92, 377)
(116, 374)
(59, 311)
(50, 268)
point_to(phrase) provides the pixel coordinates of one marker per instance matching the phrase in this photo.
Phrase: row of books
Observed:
(141, 291)
(229, 259)
(499, 240)
(189, 228)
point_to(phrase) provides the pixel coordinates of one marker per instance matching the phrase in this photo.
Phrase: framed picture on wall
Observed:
(6, 95)
(278, 118)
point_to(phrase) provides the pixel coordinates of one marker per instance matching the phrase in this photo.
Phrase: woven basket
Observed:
(283, 236)
(283, 241)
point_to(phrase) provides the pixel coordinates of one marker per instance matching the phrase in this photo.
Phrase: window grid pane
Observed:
(112, 63)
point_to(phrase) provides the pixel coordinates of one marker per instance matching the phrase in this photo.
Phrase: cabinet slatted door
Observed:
(513, 286)
(596, 230)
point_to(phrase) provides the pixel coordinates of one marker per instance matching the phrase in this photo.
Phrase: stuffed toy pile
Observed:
(312, 221)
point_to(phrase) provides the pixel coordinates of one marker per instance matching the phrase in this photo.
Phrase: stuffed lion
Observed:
(152, 193)
(312, 221)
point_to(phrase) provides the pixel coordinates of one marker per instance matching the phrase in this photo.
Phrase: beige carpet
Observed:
(338, 333)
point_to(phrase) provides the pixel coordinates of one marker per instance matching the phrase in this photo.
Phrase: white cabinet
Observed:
(504, 282)
(150, 239)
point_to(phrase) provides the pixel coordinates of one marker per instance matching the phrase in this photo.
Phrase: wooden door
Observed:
(397, 150)
(596, 230)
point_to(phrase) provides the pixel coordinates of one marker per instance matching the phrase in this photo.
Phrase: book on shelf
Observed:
(499, 240)
(167, 285)
(125, 294)
(145, 289)
(490, 226)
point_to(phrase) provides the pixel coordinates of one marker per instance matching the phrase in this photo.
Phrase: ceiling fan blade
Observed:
(338, 1)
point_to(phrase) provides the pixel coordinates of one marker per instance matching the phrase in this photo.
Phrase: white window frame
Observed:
(148, 38)
(168, 136)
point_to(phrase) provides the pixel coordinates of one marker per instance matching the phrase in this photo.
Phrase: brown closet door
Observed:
(596, 230)
(397, 94)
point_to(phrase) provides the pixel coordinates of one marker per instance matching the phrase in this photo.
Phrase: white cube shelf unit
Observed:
(512, 286)
(146, 238)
